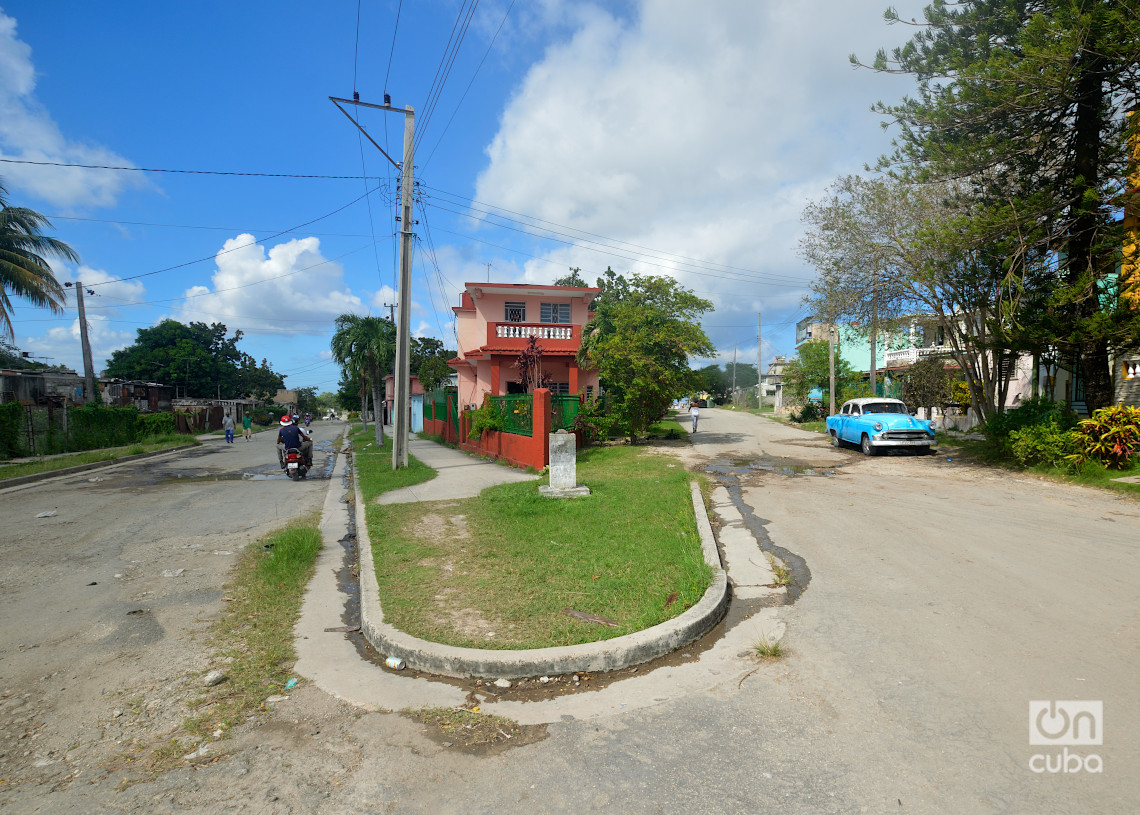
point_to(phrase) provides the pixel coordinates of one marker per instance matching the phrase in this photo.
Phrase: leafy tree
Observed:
(927, 384)
(368, 346)
(935, 259)
(199, 358)
(429, 361)
(811, 369)
(23, 270)
(1025, 103)
(711, 379)
(644, 331)
(351, 389)
(572, 279)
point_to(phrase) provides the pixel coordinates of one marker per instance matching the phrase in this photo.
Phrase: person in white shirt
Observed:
(695, 412)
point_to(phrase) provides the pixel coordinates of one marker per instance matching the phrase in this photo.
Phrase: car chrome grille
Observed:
(905, 434)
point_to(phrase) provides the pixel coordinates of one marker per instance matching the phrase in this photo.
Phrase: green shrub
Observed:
(1042, 444)
(1111, 436)
(154, 424)
(1036, 412)
(593, 421)
(811, 412)
(487, 417)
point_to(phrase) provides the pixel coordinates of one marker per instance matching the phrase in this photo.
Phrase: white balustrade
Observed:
(543, 332)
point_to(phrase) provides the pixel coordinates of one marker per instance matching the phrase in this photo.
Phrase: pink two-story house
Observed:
(494, 323)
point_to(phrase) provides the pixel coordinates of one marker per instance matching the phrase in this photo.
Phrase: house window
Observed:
(555, 312)
(1132, 369)
(515, 313)
(559, 387)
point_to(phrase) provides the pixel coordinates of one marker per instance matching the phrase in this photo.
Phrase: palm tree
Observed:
(366, 345)
(23, 270)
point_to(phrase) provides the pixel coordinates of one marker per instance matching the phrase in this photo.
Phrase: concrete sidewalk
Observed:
(459, 475)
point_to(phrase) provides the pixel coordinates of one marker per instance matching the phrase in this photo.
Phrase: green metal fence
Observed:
(452, 410)
(563, 411)
(517, 411)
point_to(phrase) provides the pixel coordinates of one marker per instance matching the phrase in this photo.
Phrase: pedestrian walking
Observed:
(228, 426)
(694, 412)
(247, 427)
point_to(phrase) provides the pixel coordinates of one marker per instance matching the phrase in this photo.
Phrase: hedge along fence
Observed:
(28, 431)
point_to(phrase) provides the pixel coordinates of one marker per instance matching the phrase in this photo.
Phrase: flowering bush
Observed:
(1111, 436)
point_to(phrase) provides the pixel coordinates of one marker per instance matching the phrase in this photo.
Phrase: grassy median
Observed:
(511, 569)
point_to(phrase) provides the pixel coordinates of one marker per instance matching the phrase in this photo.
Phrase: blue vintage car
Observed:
(875, 423)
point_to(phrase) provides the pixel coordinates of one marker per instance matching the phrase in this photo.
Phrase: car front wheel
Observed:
(866, 447)
(835, 442)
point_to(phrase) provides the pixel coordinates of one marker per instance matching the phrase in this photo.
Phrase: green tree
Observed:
(644, 331)
(572, 279)
(711, 379)
(811, 369)
(1026, 103)
(429, 361)
(198, 358)
(368, 346)
(927, 384)
(23, 270)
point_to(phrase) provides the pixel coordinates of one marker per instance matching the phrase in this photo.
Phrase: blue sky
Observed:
(653, 136)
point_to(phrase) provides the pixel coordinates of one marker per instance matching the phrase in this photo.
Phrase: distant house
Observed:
(148, 397)
(40, 388)
(495, 322)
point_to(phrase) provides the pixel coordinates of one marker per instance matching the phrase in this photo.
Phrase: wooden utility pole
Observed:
(391, 312)
(90, 397)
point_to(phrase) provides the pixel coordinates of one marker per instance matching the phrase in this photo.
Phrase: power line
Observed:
(181, 172)
(234, 249)
(447, 62)
(602, 239)
(469, 84)
(625, 254)
(392, 50)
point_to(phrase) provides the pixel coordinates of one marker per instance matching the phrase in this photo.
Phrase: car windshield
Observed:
(885, 407)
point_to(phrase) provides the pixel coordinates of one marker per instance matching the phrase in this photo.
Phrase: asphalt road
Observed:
(936, 602)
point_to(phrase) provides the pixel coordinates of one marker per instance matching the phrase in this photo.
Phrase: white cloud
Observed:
(111, 293)
(62, 344)
(291, 290)
(28, 132)
(700, 130)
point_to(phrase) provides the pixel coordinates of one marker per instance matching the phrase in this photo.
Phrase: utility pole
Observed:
(391, 312)
(402, 403)
(403, 381)
(734, 373)
(831, 366)
(759, 365)
(88, 366)
(488, 272)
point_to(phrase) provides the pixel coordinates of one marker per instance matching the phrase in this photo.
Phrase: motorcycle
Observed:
(295, 466)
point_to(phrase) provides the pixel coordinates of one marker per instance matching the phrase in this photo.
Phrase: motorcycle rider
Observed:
(290, 435)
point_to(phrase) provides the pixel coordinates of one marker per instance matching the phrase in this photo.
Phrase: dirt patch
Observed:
(468, 730)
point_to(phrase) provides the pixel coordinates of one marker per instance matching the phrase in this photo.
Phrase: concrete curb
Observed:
(608, 655)
(82, 468)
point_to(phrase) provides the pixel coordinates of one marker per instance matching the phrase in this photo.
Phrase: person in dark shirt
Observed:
(290, 436)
